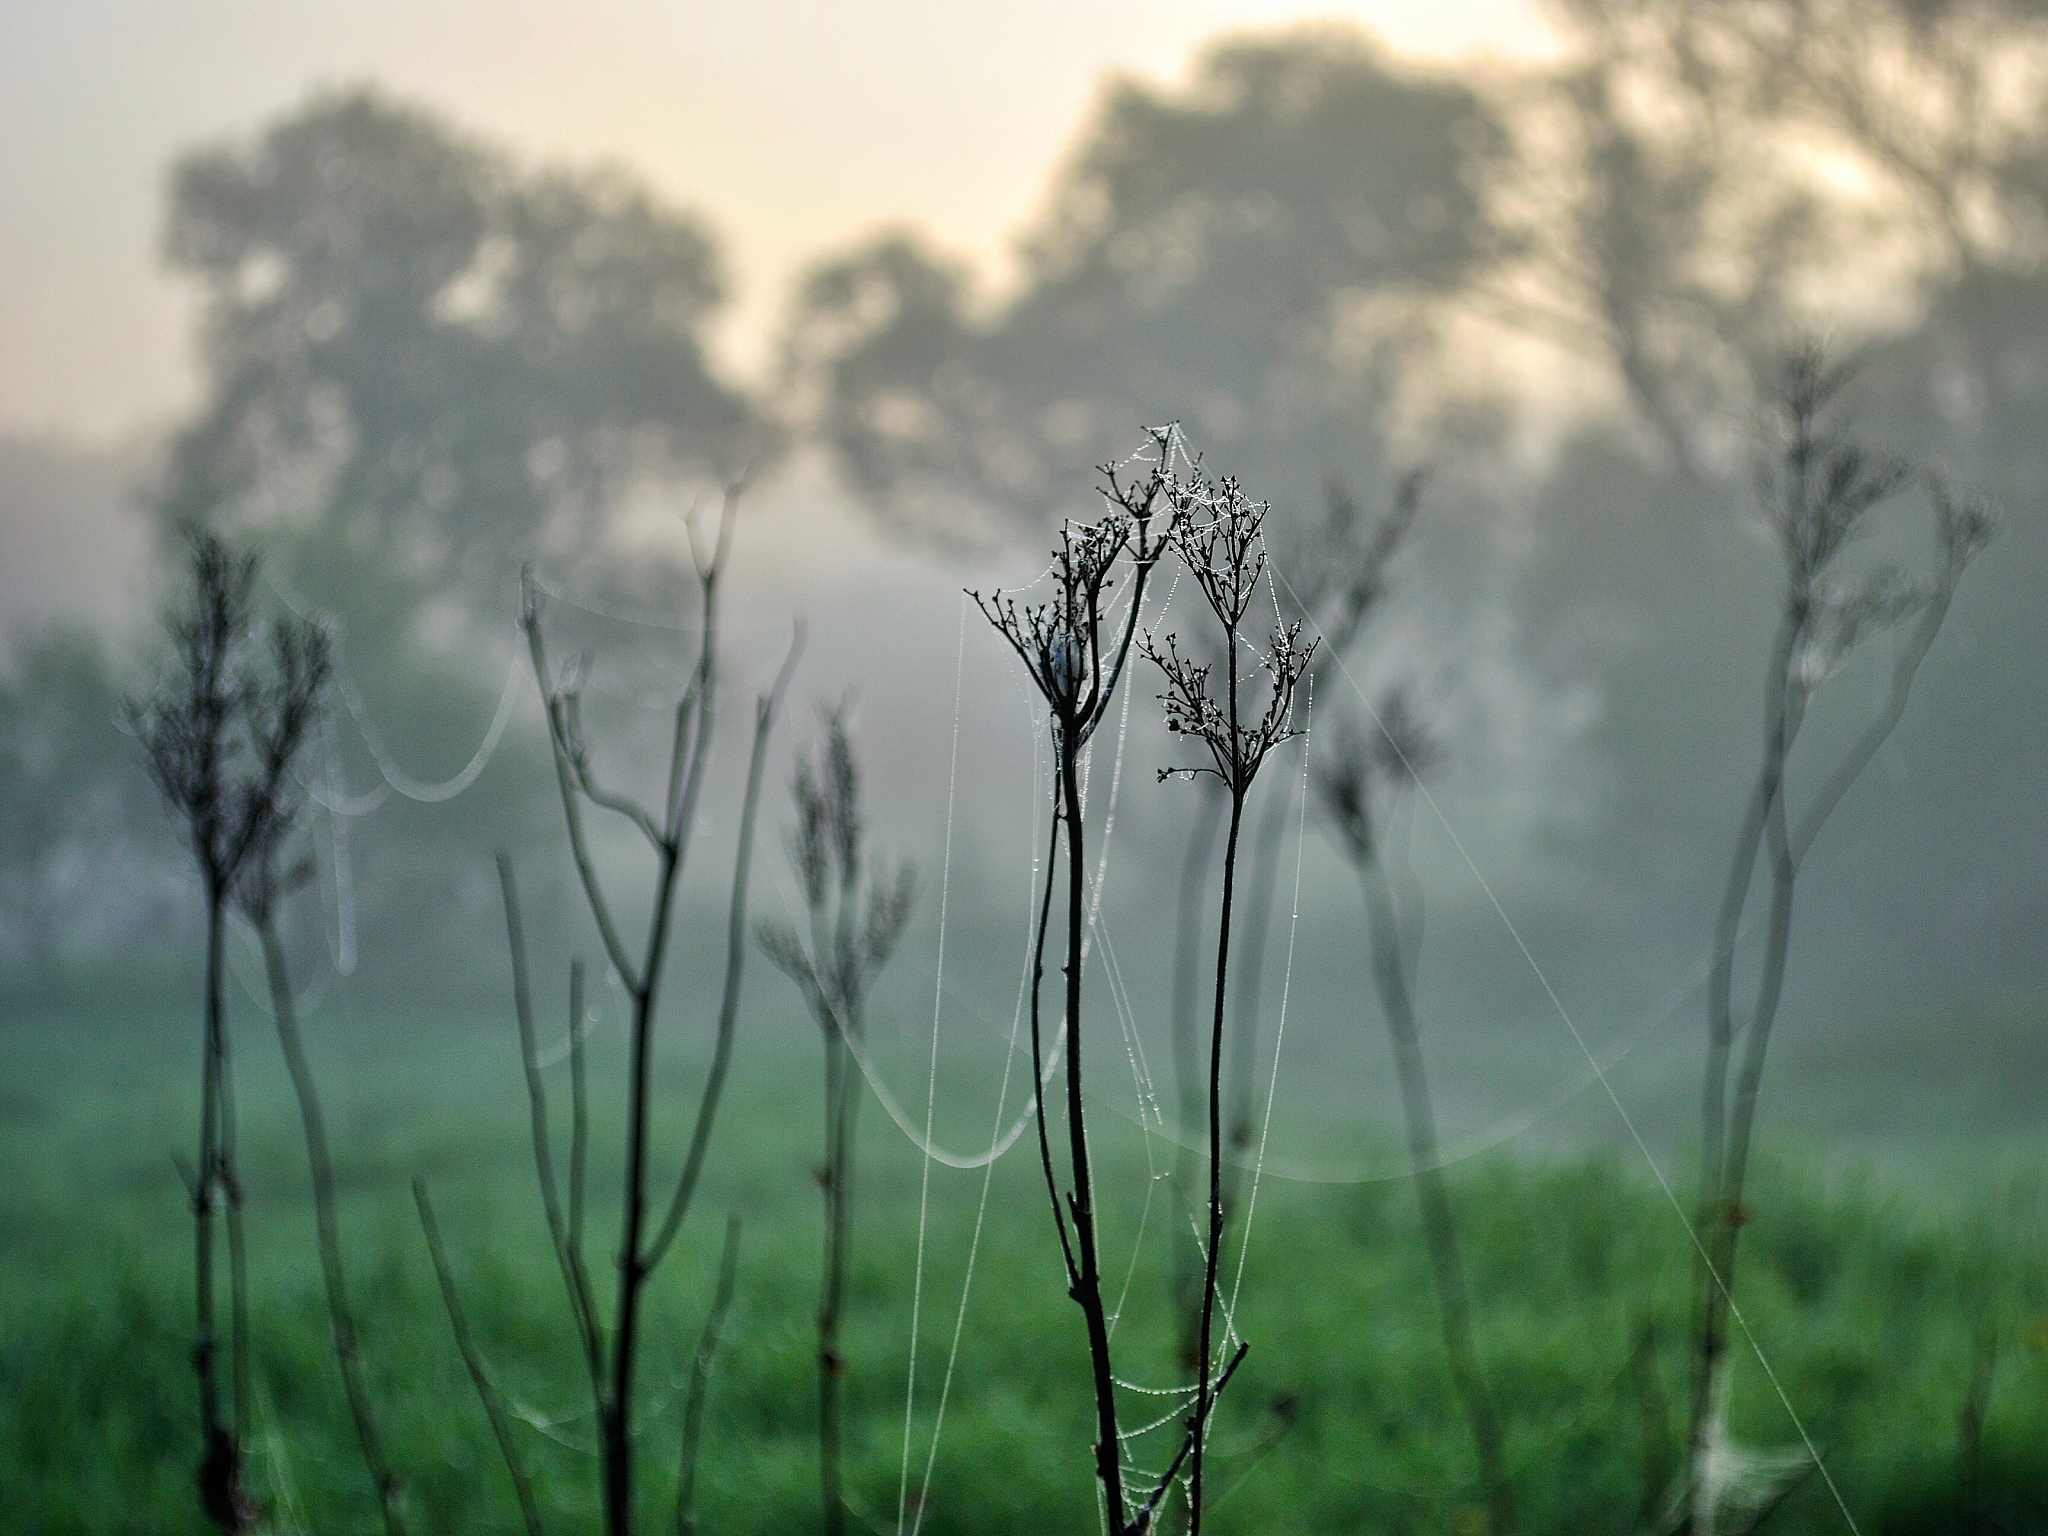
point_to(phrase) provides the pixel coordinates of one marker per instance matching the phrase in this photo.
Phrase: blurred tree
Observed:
(421, 354)
(424, 365)
(1706, 175)
(1255, 252)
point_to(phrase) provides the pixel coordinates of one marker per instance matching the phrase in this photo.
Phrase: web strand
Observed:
(1607, 1087)
(932, 1083)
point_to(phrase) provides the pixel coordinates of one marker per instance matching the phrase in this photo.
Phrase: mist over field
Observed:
(441, 360)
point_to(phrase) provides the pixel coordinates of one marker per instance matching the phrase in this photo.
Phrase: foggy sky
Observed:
(793, 127)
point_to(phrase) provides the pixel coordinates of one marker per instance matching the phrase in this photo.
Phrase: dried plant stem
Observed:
(842, 1108)
(579, 1123)
(1439, 1228)
(479, 1374)
(700, 1380)
(220, 1468)
(1085, 1263)
(1816, 497)
(1213, 1255)
(766, 709)
(581, 1307)
(219, 735)
(613, 1350)
(1254, 929)
(1076, 666)
(613, 1354)
(340, 1316)
(237, 1235)
(1187, 1059)
(615, 1407)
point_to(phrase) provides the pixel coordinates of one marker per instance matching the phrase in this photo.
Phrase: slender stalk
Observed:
(1816, 501)
(637, 1261)
(581, 1308)
(842, 1104)
(615, 1408)
(1439, 1228)
(219, 735)
(766, 709)
(327, 1224)
(1187, 1064)
(1254, 930)
(220, 1467)
(1081, 1200)
(700, 1380)
(1052, 1180)
(1213, 1256)
(579, 1125)
(238, 1242)
(479, 1374)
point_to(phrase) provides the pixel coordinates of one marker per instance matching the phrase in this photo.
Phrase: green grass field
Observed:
(1873, 1307)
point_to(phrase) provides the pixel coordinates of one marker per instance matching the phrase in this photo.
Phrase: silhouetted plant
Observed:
(1332, 580)
(1356, 784)
(1074, 647)
(851, 934)
(293, 704)
(473, 1360)
(1817, 487)
(610, 1348)
(1218, 531)
(700, 1380)
(220, 733)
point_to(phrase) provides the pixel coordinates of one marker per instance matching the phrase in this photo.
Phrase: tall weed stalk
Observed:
(1356, 785)
(850, 936)
(1817, 487)
(1217, 530)
(220, 733)
(610, 1346)
(1074, 649)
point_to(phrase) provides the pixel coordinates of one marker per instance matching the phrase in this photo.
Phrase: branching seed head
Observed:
(851, 937)
(1072, 645)
(223, 729)
(1818, 485)
(1218, 531)
(1371, 763)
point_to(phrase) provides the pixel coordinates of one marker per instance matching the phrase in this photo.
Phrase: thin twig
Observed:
(580, 1305)
(765, 712)
(494, 1404)
(700, 1380)
(341, 1317)
(579, 1119)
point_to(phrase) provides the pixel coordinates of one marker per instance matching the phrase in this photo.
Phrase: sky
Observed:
(794, 126)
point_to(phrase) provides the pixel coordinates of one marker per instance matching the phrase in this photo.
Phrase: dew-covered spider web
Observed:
(1737, 1479)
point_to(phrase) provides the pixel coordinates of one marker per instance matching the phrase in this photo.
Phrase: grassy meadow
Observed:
(1893, 1320)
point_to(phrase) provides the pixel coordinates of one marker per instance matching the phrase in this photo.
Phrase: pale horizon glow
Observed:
(793, 128)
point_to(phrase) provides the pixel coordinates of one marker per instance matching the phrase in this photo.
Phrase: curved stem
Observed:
(700, 1380)
(766, 709)
(327, 1224)
(1439, 1227)
(581, 1305)
(1213, 1256)
(1187, 1063)
(1052, 1181)
(1081, 1202)
(479, 1374)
